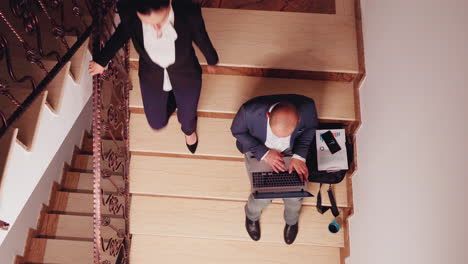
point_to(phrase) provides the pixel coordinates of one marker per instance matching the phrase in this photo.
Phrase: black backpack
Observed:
(324, 177)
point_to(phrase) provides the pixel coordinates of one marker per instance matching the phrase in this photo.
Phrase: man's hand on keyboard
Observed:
(275, 160)
(300, 167)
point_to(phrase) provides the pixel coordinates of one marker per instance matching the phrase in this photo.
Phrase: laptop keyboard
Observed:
(273, 179)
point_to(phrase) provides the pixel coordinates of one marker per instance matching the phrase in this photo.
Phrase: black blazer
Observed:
(250, 124)
(189, 26)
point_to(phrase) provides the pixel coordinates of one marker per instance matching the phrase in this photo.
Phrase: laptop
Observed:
(267, 184)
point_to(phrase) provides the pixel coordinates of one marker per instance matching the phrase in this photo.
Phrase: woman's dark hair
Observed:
(145, 7)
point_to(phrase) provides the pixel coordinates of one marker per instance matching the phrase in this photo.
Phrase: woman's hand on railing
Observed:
(95, 68)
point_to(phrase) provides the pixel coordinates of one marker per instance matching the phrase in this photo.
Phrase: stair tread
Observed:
(84, 182)
(282, 40)
(84, 162)
(82, 204)
(224, 220)
(211, 132)
(226, 93)
(207, 251)
(75, 227)
(20, 94)
(107, 144)
(58, 251)
(201, 178)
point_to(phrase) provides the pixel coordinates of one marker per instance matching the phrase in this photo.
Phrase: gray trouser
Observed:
(292, 209)
(254, 207)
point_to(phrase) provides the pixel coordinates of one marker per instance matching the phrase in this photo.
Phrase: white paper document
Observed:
(327, 161)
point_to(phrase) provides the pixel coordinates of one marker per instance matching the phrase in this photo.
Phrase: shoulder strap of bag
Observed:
(322, 209)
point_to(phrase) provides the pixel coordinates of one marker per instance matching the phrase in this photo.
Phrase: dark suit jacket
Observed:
(189, 26)
(250, 124)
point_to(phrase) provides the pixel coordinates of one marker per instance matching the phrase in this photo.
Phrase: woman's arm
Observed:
(121, 35)
(201, 37)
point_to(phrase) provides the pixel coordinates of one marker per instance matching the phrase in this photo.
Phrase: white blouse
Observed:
(161, 50)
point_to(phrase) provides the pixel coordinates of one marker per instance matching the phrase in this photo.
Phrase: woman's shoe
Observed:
(192, 148)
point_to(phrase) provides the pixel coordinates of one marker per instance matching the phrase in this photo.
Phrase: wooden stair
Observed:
(205, 179)
(51, 114)
(210, 251)
(223, 220)
(61, 251)
(74, 227)
(65, 229)
(282, 40)
(190, 208)
(53, 94)
(334, 100)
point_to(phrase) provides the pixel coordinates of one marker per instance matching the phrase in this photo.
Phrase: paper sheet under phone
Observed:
(327, 161)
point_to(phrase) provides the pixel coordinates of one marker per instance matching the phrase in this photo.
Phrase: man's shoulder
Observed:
(257, 102)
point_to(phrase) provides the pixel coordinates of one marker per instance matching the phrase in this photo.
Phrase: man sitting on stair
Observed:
(266, 128)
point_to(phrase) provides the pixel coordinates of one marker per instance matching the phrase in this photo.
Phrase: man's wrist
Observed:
(266, 153)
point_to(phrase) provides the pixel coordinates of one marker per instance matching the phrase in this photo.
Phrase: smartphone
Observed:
(331, 142)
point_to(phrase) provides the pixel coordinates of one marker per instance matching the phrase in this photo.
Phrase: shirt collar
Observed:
(268, 118)
(273, 106)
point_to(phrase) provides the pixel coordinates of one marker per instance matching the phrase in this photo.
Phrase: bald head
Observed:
(283, 119)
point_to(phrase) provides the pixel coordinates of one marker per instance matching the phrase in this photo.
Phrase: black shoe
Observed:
(192, 148)
(253, 228)
(290, 233)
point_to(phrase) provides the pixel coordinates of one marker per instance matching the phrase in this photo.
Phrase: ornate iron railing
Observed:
(110, 143)
(22, 34)
(25, 27)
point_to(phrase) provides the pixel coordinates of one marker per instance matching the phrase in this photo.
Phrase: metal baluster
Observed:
(5, 91)
(4, 53)
(77, 12)
(32, 55)
(57, 30)
(97, 143)
(127, 147)
(62, 19)
(4, 119)
(115, 125)
(88, 6)
(22, 10)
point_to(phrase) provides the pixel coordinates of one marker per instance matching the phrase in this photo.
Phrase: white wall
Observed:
(14, 242)
(410, 193)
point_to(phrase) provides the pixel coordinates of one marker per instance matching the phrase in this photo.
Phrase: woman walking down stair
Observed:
(170, 74)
